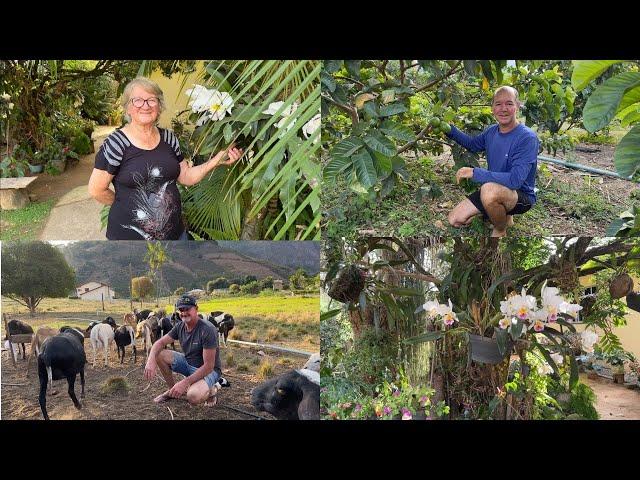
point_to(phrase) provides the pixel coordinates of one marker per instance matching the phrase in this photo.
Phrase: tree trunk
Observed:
(251, 227)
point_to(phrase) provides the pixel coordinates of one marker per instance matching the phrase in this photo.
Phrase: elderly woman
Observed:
(144, 163)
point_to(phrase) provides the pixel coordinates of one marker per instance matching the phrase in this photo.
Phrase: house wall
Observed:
(97, 294)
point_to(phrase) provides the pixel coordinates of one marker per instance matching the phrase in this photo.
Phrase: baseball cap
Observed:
(186, 301)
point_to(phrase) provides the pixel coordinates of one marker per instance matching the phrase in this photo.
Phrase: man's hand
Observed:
(150, 369)
(464, 172)
(228, 156)
(179, 389)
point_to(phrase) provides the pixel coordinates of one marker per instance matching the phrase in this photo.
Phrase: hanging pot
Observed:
(348, 284)
(36, 168)
(485, 350)
(620, 286)
(633, 301)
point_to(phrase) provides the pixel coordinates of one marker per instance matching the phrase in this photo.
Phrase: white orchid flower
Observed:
(588, 340)
(431, 308)
(221, 104)
(558, 358)
(214, 103)
(311, 126)
(447, 313)
(504, 323)
(520, 306)
(551, 301)
(5, 97)
(545, 369)
(10, 106)
(570, 308)
(200, 98)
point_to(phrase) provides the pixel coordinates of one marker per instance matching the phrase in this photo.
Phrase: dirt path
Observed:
(75, 215)
(19, 393)
(614, 401)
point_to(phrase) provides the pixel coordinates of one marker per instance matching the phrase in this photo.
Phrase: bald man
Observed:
(507, 186)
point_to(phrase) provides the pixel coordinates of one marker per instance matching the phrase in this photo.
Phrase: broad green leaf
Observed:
(383, 164)
(227, 131)
(397, 131)
(328, 82)
(371, 109)
(502, 338)
(329, 314)
(605, 100)
(584, 71)
(353, 68)
(347, 147)
(627, 155)
(631, 97)
(402, 291)
(378, 142)
(392, 109)
(365, 170)
(331, 66)
(425, 337)
(470, 66)
(566, 324)
(629, 115)
(337, 166)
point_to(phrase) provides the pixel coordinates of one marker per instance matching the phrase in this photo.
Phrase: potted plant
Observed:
(13, 167)
(616, 360)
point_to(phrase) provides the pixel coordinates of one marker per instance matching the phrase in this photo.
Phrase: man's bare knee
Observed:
(165, 357)
(196, 394)
(491, 193)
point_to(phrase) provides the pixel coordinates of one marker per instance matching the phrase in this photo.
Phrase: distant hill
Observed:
(191, 264)
(291, 254)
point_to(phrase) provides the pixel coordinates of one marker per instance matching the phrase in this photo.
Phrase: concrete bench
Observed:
(13, 192)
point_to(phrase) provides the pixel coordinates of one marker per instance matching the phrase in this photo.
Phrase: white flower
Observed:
(431, 308)
(10, 106)
(141, 214)
(551, 302)
(588, 339)
(504, 323)
(213, 103)
(311, 126)
(545, 369)
(155, 172)
(221, 105)
(558, 358)
(6, 97)
(520, 306)
(275, 106)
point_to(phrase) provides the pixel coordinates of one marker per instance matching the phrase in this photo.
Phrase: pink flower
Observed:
(406, 414)
(423, 400)
(396, 393)
(386, 411)
(538, 326)
(358, 408)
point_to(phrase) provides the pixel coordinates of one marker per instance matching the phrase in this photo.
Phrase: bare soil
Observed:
(19, 392)
(614, 401)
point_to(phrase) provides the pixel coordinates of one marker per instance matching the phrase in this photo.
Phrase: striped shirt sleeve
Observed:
(111, 152)
(170, 139)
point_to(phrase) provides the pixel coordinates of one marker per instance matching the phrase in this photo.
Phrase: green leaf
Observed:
(566, 324)
(425, 337)
(328, 82)
(353, 68)
(392, 109)
(502, 338)
(347, 147)
(335, 167)
(378, 142)
(516, 330)
(330, 314)
(630, 115)
(383, 164)
(365, 170)
(371, 109)
(227, 131)
(573, 377)
(584, 71)
(331, 66)
(615, 227)
(397, 131)
(631, 97)
(470, 66)
(410, 292)
(627, 155)
(603, 103)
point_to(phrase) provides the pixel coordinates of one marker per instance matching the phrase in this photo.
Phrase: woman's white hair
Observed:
(148, 86)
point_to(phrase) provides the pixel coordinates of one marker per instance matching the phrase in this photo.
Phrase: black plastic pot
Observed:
(633, 301)
(485, 350)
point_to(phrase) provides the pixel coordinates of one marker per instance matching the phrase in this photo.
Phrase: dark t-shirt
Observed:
(204, 335)
(147, 203)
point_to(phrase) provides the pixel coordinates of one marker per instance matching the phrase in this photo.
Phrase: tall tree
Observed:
(33, 271)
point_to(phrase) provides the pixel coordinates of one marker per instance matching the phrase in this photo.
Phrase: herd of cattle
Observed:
(61, 354)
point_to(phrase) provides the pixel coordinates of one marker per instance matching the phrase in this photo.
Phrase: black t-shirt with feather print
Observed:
(147, 204)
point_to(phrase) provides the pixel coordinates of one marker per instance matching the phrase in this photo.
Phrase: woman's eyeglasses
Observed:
(139, 102)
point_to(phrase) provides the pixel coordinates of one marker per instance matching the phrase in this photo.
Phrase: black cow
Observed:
(294, 395)
(62, 356)
(16, 327)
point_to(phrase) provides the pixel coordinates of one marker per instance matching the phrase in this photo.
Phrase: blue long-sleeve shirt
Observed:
(512, 157)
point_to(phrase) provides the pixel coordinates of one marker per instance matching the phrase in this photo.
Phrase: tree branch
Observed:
(455, 69)
(352, 112)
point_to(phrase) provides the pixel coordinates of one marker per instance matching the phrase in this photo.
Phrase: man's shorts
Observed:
(180, 365)
(522, 205)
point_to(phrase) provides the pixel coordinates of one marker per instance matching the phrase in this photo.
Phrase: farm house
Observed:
(95, 291)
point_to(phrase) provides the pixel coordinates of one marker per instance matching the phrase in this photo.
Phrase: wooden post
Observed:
(130, 287)
(102, 296)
